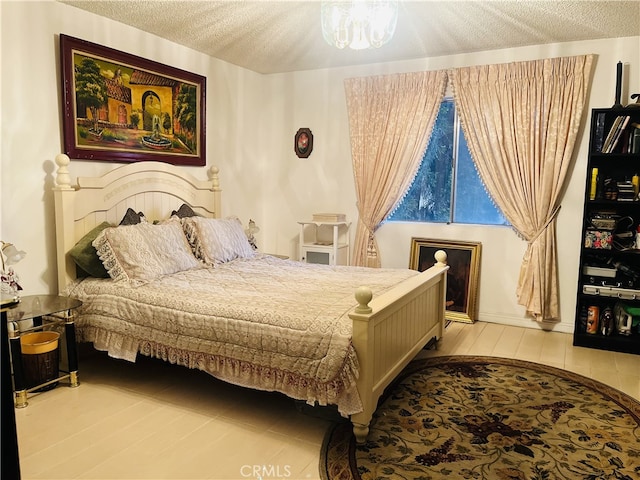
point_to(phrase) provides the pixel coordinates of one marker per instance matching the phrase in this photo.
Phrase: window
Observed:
(447, 187)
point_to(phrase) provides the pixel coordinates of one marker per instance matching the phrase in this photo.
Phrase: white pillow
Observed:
(216, 240)
(143, 252)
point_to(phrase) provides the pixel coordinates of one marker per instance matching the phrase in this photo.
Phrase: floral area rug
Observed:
(491, 418)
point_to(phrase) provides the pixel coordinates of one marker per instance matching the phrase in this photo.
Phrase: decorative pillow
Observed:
(132, 218)
(143, 252)
(216, 240)
(185, 211)
(85, 255)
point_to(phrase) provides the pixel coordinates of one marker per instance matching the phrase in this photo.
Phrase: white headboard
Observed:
(154, 188)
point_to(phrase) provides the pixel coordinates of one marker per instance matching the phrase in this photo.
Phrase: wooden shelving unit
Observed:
(609, 277)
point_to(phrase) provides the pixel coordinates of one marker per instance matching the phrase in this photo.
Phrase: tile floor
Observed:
(152, 420)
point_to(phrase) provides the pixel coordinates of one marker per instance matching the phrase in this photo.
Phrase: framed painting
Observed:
(303, 142)
(123, 108)
(463, 259)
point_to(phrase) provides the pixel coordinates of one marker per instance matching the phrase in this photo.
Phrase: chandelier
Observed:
(359, 24)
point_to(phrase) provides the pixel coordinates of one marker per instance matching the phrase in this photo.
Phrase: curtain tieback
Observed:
(551, 218)
(372, 252)
(371, 247)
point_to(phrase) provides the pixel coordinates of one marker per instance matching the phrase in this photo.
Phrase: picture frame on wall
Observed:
(463, 275)
(303, 143)
(124, 108)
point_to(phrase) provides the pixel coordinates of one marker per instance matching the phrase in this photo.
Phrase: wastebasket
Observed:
(40, 358)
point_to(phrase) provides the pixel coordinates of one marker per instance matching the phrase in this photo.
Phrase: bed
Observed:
(324, 335)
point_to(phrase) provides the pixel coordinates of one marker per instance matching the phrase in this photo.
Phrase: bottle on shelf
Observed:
(593, 315)
(594, 184)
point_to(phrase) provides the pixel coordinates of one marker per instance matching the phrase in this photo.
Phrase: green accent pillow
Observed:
(85, 255)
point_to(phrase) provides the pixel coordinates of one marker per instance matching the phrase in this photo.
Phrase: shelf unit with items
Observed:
(608, 297)
(324, 242)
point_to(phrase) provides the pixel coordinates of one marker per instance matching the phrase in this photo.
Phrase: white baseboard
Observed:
(526, 322)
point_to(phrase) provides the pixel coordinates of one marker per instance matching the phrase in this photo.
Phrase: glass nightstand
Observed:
(37, 313)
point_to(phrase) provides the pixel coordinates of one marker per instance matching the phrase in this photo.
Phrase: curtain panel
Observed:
(390, 122)
(521, 121)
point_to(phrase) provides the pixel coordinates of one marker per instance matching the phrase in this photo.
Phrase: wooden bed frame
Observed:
(388, 331)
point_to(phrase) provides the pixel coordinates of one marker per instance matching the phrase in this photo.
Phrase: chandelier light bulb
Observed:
(359, 24)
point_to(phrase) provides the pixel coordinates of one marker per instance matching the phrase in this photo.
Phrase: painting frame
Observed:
(303, 142)
(135, 109)
(463, 275)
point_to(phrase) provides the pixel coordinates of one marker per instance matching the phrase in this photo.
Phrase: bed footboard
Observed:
(390, 330)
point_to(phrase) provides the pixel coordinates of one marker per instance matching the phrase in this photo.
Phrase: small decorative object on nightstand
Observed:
(9, 255)
(325, 239)
(250, 231)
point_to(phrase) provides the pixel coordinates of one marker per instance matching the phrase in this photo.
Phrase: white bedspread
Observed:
(264, 323)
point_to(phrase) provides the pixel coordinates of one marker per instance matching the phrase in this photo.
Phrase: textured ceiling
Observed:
(281, 36)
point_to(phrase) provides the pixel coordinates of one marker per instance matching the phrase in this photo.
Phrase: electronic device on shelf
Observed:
(603, 272)
(626, 192)
(601, 275)
(616, 292)
(604, 220)
(632, 274)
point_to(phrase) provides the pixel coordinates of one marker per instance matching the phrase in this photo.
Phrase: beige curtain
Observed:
(390, 121)
(520, 121)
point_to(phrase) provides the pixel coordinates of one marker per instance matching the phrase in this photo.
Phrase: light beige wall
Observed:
(31, 117)
(324, 181)
(251, 121)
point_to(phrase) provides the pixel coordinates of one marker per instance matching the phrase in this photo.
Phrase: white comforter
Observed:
(263, 323)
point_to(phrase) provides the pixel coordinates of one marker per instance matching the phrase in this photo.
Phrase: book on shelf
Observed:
(612, 131)
(600, 131)
(631, 138)
(635, 140)
(615, 133)
(623, 125)
(625, 141)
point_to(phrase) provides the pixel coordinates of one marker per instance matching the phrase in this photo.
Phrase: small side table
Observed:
(44, 311)
(324, 242)
(10, 454)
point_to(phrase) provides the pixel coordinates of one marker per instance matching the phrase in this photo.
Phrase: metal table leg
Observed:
(72, 352)
(19, 383)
